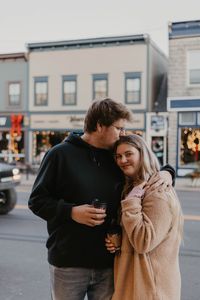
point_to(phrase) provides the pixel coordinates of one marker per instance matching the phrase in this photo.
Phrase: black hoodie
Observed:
(75, 173)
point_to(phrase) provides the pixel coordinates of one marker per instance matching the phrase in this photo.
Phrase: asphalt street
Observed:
(23, 265)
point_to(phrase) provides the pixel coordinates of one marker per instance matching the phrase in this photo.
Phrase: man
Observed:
(71, 176)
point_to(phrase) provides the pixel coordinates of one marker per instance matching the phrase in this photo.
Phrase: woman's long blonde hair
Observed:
(148, 166)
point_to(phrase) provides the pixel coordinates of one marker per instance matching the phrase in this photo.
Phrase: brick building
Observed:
(184, 96)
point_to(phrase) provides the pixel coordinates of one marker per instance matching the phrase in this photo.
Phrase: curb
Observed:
(187, 189)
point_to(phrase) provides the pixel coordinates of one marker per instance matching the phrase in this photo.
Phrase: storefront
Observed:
(43, 140)
(157, 125)
(47, 130)
(187, 133)
(12, 138)
(189, 143)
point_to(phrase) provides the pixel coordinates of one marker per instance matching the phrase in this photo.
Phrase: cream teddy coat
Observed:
(148, 266)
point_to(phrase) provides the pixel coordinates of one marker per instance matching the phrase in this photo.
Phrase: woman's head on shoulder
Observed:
(135, 158)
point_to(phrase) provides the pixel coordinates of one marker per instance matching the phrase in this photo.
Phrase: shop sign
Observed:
(157, 122)
(3, 121)
(77, 121)
(57, 121)
(12, 121)
(138, 121)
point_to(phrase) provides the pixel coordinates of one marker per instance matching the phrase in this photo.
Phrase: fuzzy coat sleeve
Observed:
(148, 221)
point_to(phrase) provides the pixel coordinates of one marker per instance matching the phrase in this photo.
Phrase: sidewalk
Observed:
(186, 184)
(27, 180)
(182, 184)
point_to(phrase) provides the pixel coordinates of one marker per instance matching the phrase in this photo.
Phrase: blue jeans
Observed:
(76, 283)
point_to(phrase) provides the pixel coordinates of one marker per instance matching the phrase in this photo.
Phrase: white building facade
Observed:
(65, 77)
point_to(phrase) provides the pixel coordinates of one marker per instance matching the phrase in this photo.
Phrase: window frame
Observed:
(41, 79)
(132, 75)
(99, 77)
(189, 84)
(68, 78)
(10, 104)
(180, 118)
(198, 118)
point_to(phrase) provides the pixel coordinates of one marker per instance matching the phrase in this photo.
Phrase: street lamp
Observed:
(156, 108)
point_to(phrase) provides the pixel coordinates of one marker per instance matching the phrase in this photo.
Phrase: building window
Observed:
(198, 118)
(69, 90)
(14, 93)
(41, 91)
(187, 118)
(11, 147)
(43, 141)
(100, 86)
(194, 67)
(132, 88)
(190, 147)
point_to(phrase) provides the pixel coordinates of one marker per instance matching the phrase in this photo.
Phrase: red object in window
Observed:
(16, 121)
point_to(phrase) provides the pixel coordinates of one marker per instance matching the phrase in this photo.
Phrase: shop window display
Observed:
(190, 147)
(43, 141)
(157, 145)
(11, 146)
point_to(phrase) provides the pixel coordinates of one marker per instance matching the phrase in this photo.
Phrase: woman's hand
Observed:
(109, 245)
(138, 190)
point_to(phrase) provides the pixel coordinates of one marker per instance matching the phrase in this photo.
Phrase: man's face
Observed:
(109, 135)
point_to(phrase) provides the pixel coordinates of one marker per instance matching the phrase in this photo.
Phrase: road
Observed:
(23, 265)
(190, 249)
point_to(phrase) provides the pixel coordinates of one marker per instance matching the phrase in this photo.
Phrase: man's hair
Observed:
(105, 112)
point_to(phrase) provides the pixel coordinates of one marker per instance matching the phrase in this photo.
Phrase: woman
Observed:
(147, 268)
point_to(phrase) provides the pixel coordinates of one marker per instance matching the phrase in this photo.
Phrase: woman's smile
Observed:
(128, 159)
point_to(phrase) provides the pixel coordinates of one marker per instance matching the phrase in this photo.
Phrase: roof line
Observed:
(88, 41)
(5, 56)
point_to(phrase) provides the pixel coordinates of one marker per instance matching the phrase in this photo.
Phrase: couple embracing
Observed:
(137, 194)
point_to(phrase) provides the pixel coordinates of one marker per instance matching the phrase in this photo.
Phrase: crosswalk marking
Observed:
(191, 218)
(21, 206)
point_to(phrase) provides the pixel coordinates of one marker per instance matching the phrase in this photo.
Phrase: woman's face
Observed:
(128, 159)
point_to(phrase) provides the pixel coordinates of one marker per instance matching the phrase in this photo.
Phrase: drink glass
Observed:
(99, 204)
(114, 234)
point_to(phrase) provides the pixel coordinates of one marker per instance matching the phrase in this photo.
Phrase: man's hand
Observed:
(162, 178)
(88, 215)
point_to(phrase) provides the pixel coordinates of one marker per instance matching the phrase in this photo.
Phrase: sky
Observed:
(25, 21)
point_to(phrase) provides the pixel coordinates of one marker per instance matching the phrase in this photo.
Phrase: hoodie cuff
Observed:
(171, 170)
(64, 211)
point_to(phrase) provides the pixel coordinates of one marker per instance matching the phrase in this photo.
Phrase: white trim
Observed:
(181, 98)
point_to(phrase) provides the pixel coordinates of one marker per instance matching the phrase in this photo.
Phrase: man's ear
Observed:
(99, 127)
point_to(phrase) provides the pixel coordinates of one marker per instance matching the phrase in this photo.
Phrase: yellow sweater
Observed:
(148, 266)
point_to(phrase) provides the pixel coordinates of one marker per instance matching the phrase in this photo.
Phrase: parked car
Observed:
(9, 178)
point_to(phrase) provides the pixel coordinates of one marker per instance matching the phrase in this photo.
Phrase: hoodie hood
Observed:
(94, 153)
(75, 139)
